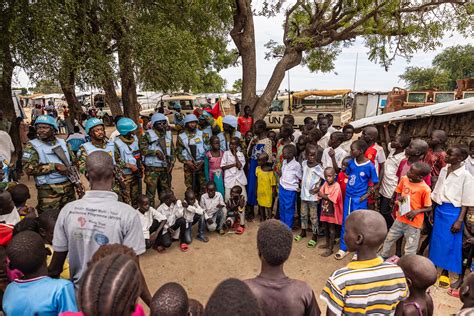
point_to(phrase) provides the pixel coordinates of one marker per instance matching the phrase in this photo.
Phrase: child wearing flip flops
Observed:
(331, 208)
(310, 183)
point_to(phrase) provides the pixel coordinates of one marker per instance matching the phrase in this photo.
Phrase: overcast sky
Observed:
(370, 76)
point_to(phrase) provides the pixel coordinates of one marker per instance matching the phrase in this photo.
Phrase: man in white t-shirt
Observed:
(95, 220)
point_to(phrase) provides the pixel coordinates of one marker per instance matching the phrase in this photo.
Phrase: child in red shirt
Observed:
(436, 154)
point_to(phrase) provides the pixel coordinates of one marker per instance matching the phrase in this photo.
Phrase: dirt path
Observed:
(206, 264)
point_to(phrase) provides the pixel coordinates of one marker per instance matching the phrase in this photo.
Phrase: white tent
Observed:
(439, 109)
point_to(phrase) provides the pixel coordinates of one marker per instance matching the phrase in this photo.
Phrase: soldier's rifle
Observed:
(72, 172)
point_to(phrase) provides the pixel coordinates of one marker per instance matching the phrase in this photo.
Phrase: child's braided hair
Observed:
(110, 286)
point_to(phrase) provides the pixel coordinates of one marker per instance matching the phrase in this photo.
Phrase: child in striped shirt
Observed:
(368, 285)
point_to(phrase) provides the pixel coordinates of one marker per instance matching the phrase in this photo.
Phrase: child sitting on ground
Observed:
(310, 183)
(365, 232)
(214, 208)
(360, 172)
(20, 194)
(233, 163)
(266, 187)
(172, 210)
(193, 214)
(413, 190)
(420, 274)
(152, 221)
(170, 299)
(35, 293)
(331, 208)
(46, 222)
(289, 185)
(236, 210)
(277, 293)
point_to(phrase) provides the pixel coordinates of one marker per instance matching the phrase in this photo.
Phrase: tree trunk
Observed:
(290, 59)
(243, 35)
(131, 107)
(6, 74)
(67, 81)
(111, 98)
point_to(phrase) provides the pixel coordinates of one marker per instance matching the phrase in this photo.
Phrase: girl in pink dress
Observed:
(213, 164)
(331, 208)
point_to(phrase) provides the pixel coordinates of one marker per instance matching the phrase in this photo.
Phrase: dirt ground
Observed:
(206, 264)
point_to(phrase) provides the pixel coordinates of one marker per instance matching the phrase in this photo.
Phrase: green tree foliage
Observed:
(451, 64)
(419, 78)
(237, 86)
(457, 61)
(47, 86)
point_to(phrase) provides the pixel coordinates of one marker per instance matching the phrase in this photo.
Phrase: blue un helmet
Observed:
(157, 117)
(230, 120)
(93, 122)
(48, 120)
(126, 125)
(190, 118)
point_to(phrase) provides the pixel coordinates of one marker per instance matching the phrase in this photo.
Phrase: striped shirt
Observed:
(365, 287)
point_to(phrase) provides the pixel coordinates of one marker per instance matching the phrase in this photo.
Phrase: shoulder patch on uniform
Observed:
(26, 155)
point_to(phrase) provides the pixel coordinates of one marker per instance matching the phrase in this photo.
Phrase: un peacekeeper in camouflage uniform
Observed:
(157, 150)
(192, 138)
(229, 124)
(128, 158)
(54, 188)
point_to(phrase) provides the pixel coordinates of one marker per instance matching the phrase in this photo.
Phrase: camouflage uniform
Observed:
(81, 162)
(50, 196)
(131, 192)
(157, 173)
(181, 153)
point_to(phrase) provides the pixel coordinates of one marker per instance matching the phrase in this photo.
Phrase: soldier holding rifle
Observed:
(157, 150)
(191, 148)
(54, 187)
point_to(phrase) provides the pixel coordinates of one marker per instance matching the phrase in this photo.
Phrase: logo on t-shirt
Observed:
(101, 239)
(82, 221)
(352, 180)
(362, 173)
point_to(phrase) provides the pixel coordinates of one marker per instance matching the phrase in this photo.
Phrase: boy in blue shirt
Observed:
(35, 293)
(360, 171)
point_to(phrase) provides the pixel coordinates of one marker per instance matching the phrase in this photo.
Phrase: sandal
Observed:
(311, 244)
(341, 254)
(240, 230)
(444, 281)
(298, 238)
(184, 247)
(453, 292)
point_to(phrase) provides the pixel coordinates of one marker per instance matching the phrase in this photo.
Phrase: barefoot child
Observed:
(411, 188)
(454, 193)
(420, 274)
(289, 185)
(360, 172)
(331, 208)
(362, 287)
(236, 210)
(310, 183)
(266, 187)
